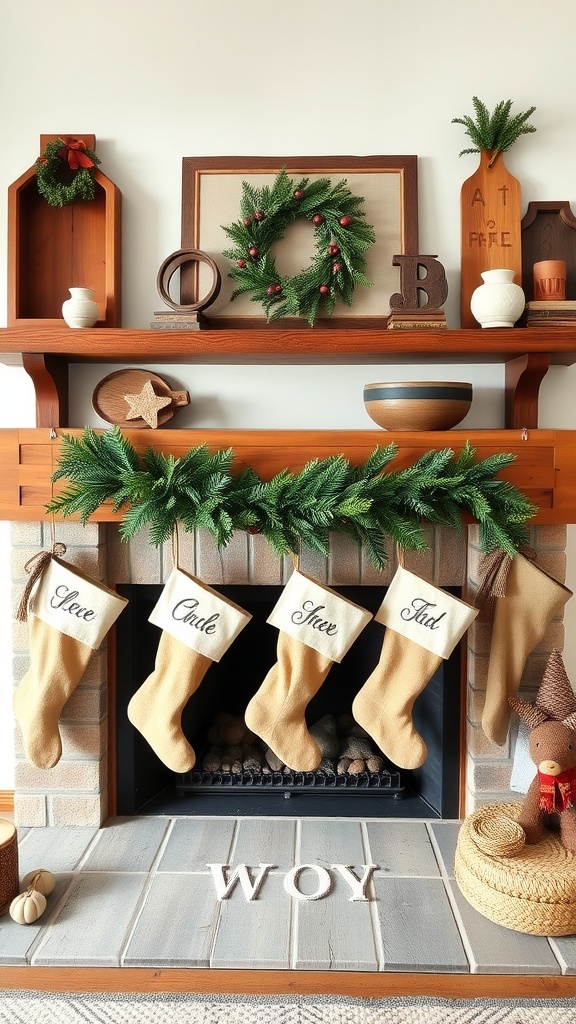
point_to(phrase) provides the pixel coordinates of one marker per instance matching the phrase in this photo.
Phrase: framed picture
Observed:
(211, 193)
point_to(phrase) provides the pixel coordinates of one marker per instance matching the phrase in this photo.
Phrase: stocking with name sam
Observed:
(198, 626)
(423, 625)
(317, 627)
(69, 614)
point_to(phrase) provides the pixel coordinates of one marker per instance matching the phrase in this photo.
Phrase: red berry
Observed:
(336, 267)
(247, 222)
(317, 219)
(333, 249)
(345, 221)
(324, 289)
(259, 214)
(253, 252)
(271, 289)
(241, 263)
(298, 194)
(277, 288)
(253, 529)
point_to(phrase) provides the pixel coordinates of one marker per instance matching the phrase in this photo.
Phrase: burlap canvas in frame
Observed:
(211, 192)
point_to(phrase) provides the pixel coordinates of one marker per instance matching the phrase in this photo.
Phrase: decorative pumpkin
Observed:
(28, 906)
(41, 880)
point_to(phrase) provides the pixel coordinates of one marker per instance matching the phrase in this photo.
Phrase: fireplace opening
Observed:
(243, 778)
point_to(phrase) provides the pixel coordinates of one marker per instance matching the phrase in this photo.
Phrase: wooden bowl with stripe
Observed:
(417, 405)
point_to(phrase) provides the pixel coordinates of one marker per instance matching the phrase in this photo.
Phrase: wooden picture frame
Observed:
(211, 191)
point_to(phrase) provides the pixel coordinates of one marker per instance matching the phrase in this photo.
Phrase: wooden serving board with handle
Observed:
(491, 228)
(109, 403)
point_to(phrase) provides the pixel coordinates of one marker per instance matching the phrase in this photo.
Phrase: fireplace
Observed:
(236, 773)
(81, 789)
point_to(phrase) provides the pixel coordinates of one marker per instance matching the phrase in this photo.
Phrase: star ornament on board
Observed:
(146, 405)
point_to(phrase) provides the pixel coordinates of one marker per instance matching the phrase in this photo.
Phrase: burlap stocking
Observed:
(520, 621)
(423, 625)
(198, 625)
(276, 713)
(57, 665)
(383, 707)
(156, 708)
(69, 614)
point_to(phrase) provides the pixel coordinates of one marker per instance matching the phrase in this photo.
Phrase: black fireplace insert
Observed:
(373, 788)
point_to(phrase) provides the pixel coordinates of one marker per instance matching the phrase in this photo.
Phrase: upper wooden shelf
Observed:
(321, 344)
(46, 353)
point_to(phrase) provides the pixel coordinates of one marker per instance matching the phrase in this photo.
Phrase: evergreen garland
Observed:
(341, 237)
(293, 510)
(60, 157)
(497, 131)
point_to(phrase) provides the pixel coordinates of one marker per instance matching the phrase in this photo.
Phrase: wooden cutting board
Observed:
(490, 204)
(109, 403)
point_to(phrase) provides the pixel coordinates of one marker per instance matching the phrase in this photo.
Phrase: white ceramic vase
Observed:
(80, 310)
(498, 302)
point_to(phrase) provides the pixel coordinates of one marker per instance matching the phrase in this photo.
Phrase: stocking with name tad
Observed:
(423, 625)
(317, 627)
(198, 626)
(69, 615)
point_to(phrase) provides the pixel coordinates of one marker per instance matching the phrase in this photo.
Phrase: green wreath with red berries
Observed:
(341, 236)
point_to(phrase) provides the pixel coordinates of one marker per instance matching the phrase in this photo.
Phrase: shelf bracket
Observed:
(523, 377)
(49, 375)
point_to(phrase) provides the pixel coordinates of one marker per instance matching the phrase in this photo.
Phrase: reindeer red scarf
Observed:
(557, 792)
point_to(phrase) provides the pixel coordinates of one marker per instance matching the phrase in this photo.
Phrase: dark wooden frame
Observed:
(193, 168)
(548, 233)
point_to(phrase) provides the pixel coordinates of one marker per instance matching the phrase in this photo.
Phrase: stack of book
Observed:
(414, 319)
(178, 320)
(552, 313)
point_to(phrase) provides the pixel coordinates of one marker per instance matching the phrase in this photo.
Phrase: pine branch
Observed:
(495, 132)
(293, 509)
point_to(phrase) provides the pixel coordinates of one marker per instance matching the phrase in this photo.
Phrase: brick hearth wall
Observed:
(74, 792)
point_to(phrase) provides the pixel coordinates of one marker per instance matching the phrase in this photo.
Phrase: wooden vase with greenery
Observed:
(490, 200)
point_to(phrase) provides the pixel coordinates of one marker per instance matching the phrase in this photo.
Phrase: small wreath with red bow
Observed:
(65, 172)
(341, 237)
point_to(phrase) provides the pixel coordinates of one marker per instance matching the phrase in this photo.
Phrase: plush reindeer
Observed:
(552, 745)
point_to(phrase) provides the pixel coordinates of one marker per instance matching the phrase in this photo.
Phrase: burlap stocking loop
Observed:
(494, 570)
(36, 567)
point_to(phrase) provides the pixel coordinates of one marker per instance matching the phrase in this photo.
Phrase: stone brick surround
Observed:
(74, 792)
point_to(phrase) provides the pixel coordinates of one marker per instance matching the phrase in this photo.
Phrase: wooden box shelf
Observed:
(51, 249)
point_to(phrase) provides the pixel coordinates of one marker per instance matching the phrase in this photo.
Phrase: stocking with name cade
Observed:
(423, 625)
(198, 626)
(69, 615)
(317, 627)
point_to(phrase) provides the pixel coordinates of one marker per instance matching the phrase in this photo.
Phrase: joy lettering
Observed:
(419, 612)
(186, 611)
(64, 599)
(308, 616)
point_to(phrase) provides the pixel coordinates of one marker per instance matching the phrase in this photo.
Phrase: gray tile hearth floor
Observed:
(138, 893)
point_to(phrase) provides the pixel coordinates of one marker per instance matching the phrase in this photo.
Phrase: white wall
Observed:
(159, 81)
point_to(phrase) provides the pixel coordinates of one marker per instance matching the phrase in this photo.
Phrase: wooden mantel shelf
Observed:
(269, 344)
(543, 468)
(46, 353)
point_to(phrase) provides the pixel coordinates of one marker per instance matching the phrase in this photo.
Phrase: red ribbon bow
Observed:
(74, 151)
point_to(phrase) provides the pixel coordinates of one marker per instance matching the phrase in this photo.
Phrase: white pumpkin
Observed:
(41, 880)
(28, 906)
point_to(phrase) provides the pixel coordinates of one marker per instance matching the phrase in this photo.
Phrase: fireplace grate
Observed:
(382, 783)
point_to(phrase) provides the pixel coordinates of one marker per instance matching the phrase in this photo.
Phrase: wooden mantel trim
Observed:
(364, 984)
(544, 469)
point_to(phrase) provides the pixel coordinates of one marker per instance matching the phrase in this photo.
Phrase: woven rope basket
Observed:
(9, 886)
(530, 889)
